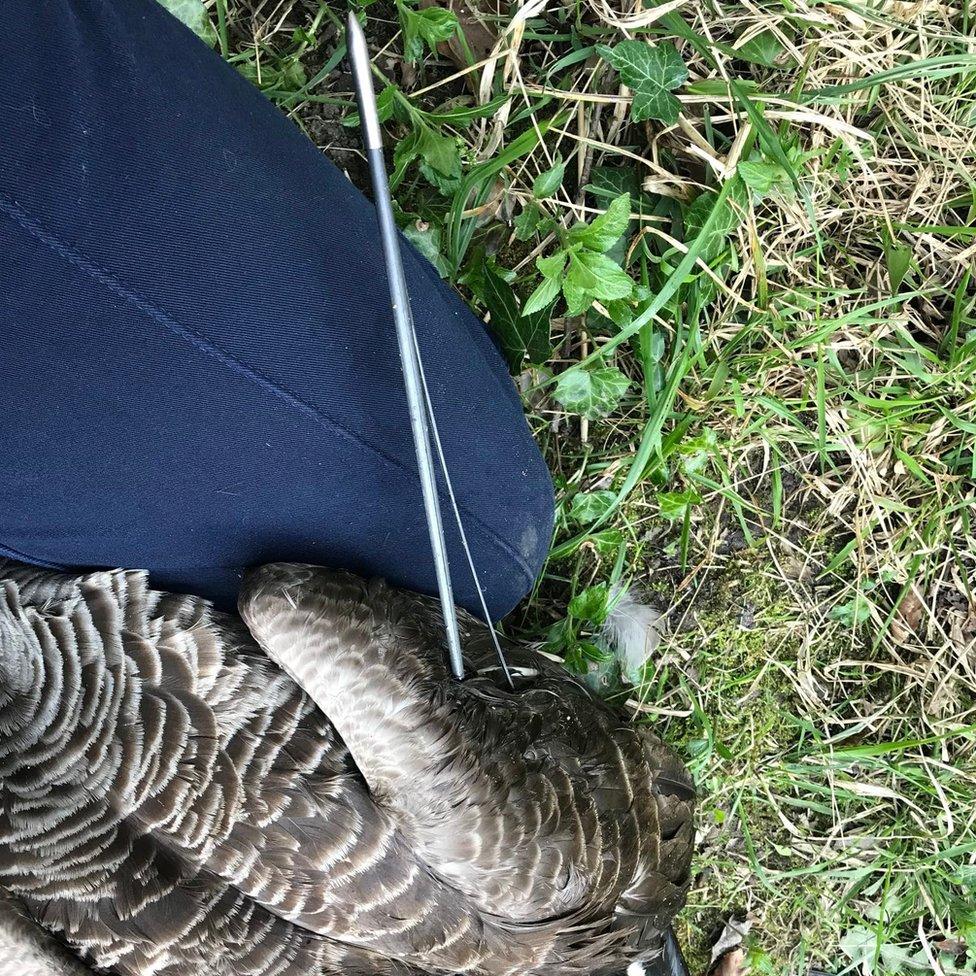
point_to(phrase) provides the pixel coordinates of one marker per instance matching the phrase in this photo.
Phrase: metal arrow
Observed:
(422, 419)
(422, 422)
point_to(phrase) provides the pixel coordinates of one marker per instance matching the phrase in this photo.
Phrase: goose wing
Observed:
(172, 802)
(541, 806)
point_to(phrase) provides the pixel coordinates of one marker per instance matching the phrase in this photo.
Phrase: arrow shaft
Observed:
(406, 338)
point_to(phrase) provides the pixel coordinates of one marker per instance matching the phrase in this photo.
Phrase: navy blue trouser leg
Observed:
(198, 368)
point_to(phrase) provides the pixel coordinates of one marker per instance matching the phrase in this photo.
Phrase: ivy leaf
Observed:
(194, 14)
(427, 239)
(607, 542)
(521, 337)
(607, 182)
(533, 329)
(652, 72)
(588, 506)
(604, 231)
(592, 393)
(430, 25)
(726, 221)
(547, 183)
(694, 452)
(499, 299)
(859, 944)
(674, 505)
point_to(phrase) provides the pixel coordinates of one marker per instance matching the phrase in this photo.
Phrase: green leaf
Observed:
(728, 217)
(575, 661)
(606, 279)
(592, 663)
(588, 506)
(854, 613)
(897, 959)
(405, 151)
(194, 14)
(591, 604)
(427, 239)
(763, 49)
(430, 25)
(578, 300)
(552, 266)
(761, 176)
(464, 115)
(652, 72)
(522, 337)
(547, 183)
(532, 221)
(527, 221)
(386, 105)
(542, 297)
(591, 393)
(859, 944)
(674, 505)
(964, 919)
(593, 276)
(758, 961)
(560, 636)
(603, 231)
(898, 257)
(607, 542)
(621, 312)
(440, 152)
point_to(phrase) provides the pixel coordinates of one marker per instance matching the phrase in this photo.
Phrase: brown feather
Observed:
(173, 801)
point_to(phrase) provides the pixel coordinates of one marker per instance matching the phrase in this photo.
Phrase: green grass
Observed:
(772, 432)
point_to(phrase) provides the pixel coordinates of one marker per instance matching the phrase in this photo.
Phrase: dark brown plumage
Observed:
(312, 793)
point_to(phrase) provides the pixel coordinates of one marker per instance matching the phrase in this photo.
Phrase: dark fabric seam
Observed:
(70, 254)
(22, 557)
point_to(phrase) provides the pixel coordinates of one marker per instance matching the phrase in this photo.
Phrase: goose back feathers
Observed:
(305, 790)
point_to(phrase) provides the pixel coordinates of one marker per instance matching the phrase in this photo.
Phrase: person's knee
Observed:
(513, 513)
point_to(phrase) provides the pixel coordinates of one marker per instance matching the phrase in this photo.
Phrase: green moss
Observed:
(748, 716)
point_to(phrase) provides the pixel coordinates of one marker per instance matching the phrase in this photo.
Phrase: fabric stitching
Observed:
(212, 349)
(22, 557)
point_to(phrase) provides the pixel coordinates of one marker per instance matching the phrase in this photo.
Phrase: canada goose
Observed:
(312, 793)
